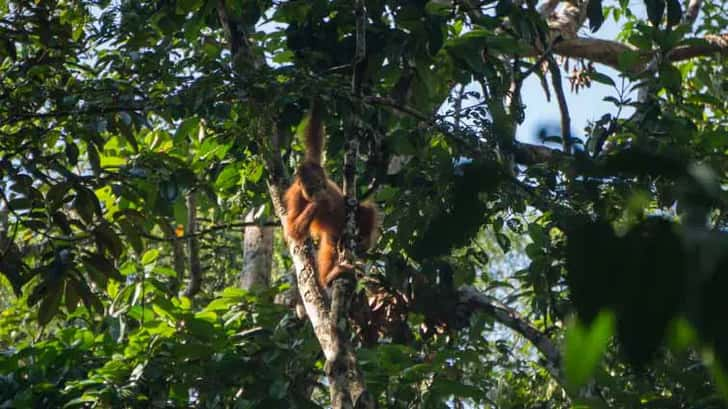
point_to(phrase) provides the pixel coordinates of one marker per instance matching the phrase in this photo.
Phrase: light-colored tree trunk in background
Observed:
(257, 255)
(193, 243)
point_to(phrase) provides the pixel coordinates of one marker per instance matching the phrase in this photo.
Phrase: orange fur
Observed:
(316, 208)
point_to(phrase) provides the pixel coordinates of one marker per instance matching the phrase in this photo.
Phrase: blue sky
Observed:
(587, 105)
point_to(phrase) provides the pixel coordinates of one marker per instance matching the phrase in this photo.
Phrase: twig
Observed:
(563, 107)
(57, 114)
(210, 230)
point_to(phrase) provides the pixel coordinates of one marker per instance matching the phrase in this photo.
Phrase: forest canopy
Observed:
(146, 147)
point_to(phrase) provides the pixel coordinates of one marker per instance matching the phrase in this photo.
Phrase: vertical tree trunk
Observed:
(194, 247)
(257, 255)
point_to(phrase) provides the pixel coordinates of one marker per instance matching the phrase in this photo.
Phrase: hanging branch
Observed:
(563, 107)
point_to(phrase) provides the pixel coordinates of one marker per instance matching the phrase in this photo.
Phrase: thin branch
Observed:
(459, 105)
(511, 319)
(402, 108)
(210, 230)
(526, 154)
(563, 107)
(20, 116)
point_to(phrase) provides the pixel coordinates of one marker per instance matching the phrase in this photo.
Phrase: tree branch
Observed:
(210, 230)
(607, 52)
(563, 107)
(343, 366)
(524, 153)
(20, 116)
(511, 319)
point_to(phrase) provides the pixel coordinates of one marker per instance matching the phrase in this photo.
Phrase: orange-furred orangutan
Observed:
(316, 206)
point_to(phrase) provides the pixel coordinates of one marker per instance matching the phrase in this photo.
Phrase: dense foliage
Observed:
(133, 133)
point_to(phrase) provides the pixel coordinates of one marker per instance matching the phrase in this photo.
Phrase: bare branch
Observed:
(20, 116)
(563, 107)
(511, 319)
(607, 52)
(210, 230)
(712, 44)
(594, 49)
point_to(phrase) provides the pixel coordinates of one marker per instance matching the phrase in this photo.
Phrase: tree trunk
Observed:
(257, 255)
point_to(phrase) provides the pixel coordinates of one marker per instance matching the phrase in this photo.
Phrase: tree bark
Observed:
(257, 255)
(193, 243)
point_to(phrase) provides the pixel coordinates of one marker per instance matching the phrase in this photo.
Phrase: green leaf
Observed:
(85, 204)
(468, 48)
(585, 346)
(596, 14)
(503, 8)
(627, 60)
(150, 256)
(71, 298)
(80, 401)
(601, 78)
(446, 387)
(278, 389)
(132, 235)
(102, 265)
(674, 12)
(655, 11)
(186, 131)
(49, 305)
(439, 7)
(186, 6)
(180, 211)
(169, 190)
(72, 153)
(670, 78)
(20, 203)
(107, 239)
(228, 178)
(93, 158)
(56, 194)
